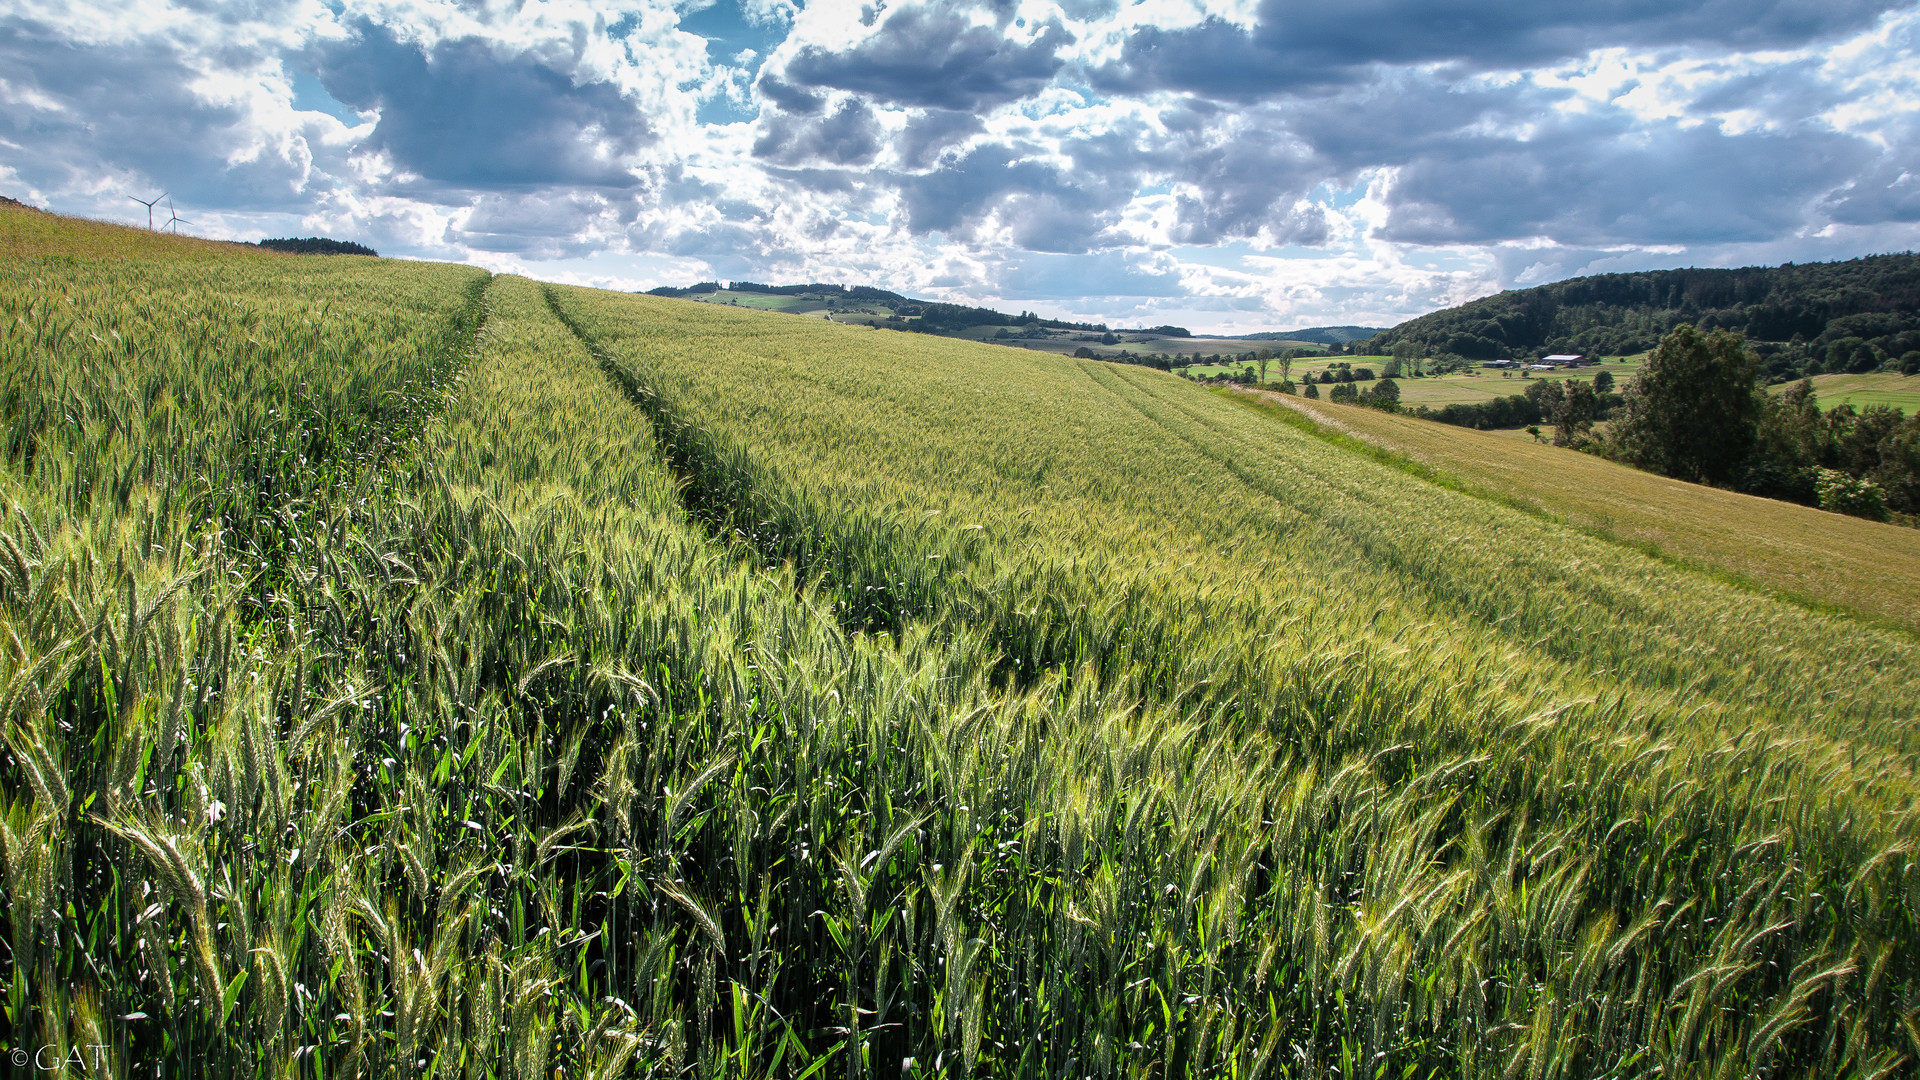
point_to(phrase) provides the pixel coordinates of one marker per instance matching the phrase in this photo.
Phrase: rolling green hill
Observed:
(411, 671)
(1156, 346)
(1853, 316)
(1322, 335)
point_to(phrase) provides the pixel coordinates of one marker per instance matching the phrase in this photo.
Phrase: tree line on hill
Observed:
(1854, 316)
(315, 245)
(1322, 335)
(1698, 411)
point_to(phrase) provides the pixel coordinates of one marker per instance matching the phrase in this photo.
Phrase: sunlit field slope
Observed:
(411, 673)
(1829, 559)
(1670, 734)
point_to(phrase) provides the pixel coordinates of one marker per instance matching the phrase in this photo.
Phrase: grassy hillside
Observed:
(1887, 388)
(1325, 335)
(1827, 559)
(864, 306)
(416, 672)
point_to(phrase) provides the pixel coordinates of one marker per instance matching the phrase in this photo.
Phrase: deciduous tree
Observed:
(1692, 411)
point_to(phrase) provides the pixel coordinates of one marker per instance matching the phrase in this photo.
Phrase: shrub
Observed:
(1858, 496)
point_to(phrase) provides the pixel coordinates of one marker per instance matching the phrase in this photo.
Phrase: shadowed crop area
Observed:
(410, 672)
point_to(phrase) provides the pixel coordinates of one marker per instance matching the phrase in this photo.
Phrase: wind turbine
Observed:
(174, 220)
(148, 203)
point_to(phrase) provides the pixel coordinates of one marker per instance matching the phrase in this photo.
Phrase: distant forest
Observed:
(316, 245)
(1859, 315)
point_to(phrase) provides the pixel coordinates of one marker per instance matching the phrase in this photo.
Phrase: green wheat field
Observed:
(412, 673)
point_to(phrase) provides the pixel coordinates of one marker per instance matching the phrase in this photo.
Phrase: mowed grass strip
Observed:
(1889, 388)
(1829, 559)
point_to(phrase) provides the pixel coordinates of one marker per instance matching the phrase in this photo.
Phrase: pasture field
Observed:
(411, 672)
(1829, 559)
(1888, 388)
(1476, 386)
(793, 305)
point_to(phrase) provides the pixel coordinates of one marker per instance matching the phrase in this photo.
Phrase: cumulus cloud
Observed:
(999, 188)
(463, 113)
(850, 136)
(936, 56)
(84, 115)
(544, 225)
(932, 132)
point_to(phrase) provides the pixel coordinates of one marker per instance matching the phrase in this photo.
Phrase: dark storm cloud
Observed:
(127, 107)
(851, 136)
(1889, 189)
(1297, 44)
(934, 57)
(469, 116)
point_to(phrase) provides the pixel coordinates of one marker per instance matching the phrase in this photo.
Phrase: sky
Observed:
(1226, 165)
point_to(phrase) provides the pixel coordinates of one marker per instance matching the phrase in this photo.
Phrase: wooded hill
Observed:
(1857, 315)
(926, 316)
(1326, 335)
